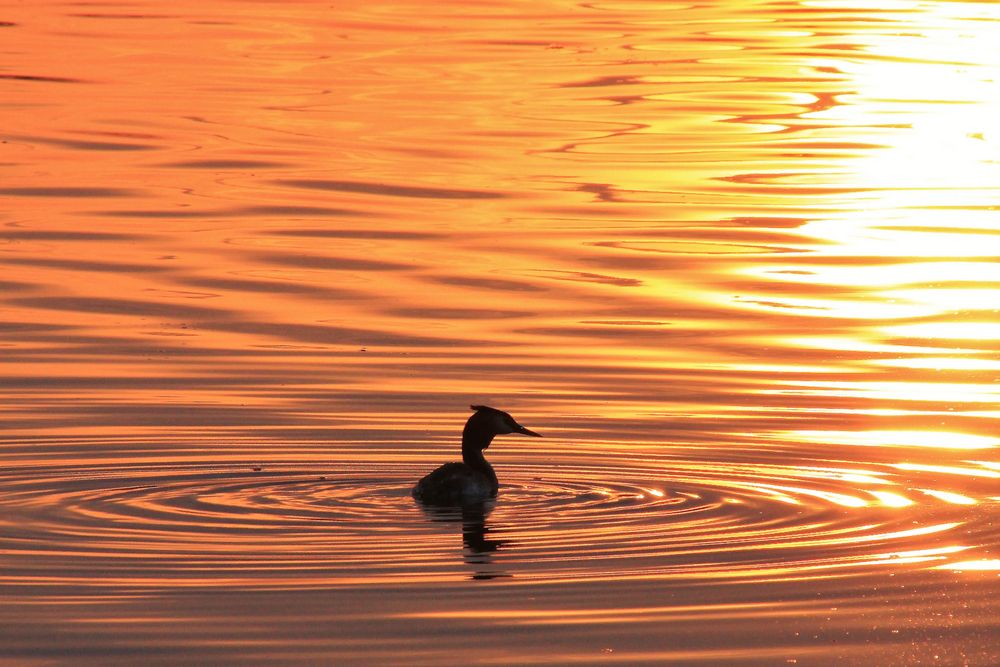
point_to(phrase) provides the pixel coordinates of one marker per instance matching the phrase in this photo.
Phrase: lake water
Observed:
(737, 261)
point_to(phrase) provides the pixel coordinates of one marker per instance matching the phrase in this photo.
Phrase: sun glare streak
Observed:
(841, 499)
(864, 309)
(860, 344)
(985, 565)
(948, 470)
(889, 499)
(914, 272)
(947, 330)
(922, 555)
(881, 438)
(941, 363)
(932, 392)
(950, 299)
(949, 496)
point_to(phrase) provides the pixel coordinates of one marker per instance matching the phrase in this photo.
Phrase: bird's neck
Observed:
(474, 443)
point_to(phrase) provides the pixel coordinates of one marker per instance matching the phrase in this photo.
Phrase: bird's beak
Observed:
(526, 431)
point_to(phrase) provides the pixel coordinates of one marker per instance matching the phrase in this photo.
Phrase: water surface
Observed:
(737, 261)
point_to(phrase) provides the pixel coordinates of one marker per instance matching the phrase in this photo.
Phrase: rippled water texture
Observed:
(737, 261)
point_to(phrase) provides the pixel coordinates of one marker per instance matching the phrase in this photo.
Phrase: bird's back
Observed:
(455, 484)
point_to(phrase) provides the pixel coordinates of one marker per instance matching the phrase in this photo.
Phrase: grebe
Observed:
(473, 480)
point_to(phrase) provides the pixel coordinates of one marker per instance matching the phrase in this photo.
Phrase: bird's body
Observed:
(456, 484)
(473, 480)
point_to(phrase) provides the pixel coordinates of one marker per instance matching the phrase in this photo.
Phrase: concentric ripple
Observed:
(288, 526)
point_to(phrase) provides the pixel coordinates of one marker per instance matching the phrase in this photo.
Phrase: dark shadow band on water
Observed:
(86, 145)
(63, 235)
(119, 307)
(226, 164)
(303, 261)
(387, 190)
(85, 265)
(337, 335)
(270, 287)
(38, 78)
(387, 234)
(95, 192)
(270, 211)
(16, 286)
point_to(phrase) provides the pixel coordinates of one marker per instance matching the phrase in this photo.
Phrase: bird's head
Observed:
(489, 422)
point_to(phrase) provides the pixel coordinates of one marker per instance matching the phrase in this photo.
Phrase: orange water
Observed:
(737, 261)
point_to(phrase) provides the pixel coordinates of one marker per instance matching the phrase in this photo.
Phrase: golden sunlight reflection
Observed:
(879, 438)
(889, 499)
(861, 344)
(951, 299)
(736, 260)
(936, 392)
(949, 470)
(956, 330)
(696, 611)
(947, 496)
(944, 146)
(921, 555)
(940, 363)
(985, 565)
(788, 493)
(894, 274)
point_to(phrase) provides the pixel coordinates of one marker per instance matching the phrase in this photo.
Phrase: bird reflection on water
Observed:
(478, 549)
